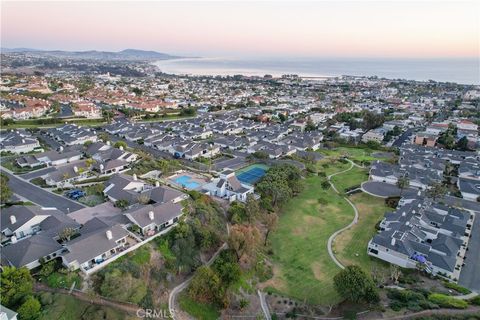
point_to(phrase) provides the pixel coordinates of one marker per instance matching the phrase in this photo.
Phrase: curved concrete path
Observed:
(354, 221)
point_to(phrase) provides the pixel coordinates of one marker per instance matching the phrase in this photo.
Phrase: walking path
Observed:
(354, 221)
(263, 304)
(174, 293)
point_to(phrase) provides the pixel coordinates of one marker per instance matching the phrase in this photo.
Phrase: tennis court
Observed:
(251, 174)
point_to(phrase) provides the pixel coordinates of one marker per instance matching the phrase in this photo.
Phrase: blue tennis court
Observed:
(252, 174)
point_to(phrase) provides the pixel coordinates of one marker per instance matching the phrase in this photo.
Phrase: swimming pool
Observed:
(251, 174)
(186, 182)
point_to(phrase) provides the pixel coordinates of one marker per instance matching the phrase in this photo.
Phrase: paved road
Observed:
(40, 196)
(403, 137)
(36, 173)
(470, 275)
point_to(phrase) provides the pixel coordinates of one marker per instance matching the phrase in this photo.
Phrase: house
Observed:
(31, 233)
(18, 142)
(469, 188)
(425, 234)
(49, 158)
(376, 135)
(99, 240)
(228, 186)
(153, 218)
(7, 314)
(65, 175)
(109, 160)
(124, 187)
(86, 109)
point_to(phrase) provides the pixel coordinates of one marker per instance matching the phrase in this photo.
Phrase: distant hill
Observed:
(127, 54)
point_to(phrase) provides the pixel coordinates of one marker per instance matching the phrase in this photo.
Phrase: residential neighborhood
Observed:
(157, 179)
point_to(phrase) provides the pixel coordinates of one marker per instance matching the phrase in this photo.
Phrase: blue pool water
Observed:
(186, 181)
(252, 175)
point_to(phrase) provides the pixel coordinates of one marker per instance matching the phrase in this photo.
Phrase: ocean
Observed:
(463, 71)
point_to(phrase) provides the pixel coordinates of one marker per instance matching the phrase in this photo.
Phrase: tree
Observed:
(30, 309)
(436, 190)
(372, 120)
(87, 143)
(353, 284)
(122, 203)
(403, 183)
(66, 234)
(271, 220)
(16, 285)
(462, 144)
(104, 136)
(205, 286)
(395, 273)
(252, 208)
(243, 240)
(119, 144)
(5, 192)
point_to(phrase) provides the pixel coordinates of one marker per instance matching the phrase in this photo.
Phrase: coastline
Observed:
(460, 71)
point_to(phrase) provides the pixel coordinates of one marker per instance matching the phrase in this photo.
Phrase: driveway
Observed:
(40, 196)
(385, 190)
(470, 275)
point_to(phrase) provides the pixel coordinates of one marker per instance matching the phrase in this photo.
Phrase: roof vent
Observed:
(109, 234)
(151, 215)
(393, 242)
(13, 220)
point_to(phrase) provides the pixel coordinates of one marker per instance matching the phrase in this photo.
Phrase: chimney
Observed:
(393, 242)
(75, 168)
(13, 220)
(23, 140)
(134, 177)
(60, 149)
(151, 215)
(108, 143)
(157, 184)
(13, 239)
(109, 235)
(121, 148)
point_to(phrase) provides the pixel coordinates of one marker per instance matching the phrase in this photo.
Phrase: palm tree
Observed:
(403, 183)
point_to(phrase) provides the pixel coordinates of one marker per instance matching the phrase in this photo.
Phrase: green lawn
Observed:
(351, 178)
(302, 267)
(350, 246)
(198, 310)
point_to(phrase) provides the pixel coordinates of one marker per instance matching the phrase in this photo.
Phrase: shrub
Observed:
(475, 301)
(322, 201)
(447, 301)
(456, 287)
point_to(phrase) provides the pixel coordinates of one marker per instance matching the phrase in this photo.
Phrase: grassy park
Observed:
(303, 268)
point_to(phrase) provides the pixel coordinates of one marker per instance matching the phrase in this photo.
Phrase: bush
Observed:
(392, 202)
(456, 287)
(475, 301)
(447, 301)
(322, 201)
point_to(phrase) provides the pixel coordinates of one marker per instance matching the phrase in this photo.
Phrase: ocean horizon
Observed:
(458, 70)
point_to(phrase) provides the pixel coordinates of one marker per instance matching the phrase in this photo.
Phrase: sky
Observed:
(388, 29)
